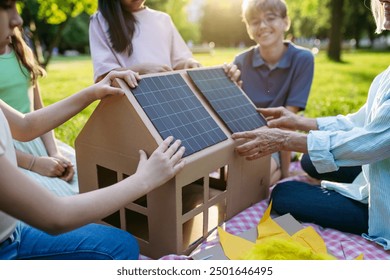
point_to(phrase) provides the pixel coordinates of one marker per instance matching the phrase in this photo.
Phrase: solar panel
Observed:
(174, 110)
(228, 101)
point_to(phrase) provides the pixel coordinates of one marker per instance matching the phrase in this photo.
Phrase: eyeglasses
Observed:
(268, 20)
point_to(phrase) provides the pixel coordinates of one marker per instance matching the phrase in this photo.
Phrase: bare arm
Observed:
(55, 165)
(264, 141)
(40, 208)
(47, 138)
(144, 68)
(26, 160)
(285, 156)
(29, 126)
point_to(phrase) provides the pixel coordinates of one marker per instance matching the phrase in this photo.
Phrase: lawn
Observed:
(338, 88)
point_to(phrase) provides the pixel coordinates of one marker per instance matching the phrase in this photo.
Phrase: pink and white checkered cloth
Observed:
(344, 246)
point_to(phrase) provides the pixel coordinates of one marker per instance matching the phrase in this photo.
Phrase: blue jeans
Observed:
(313, 204)
(343, 175)
(90, 242)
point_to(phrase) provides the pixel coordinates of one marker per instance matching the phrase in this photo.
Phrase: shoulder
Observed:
(383, 79)
(97, 18)
(299, 52)
(158, 15)
(244, 55)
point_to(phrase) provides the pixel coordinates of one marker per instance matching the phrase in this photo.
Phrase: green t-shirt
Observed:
(15, 86)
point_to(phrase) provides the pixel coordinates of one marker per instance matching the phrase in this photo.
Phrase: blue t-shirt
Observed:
(286, 84)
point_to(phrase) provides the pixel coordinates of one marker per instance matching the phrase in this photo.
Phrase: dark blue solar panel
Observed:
(228, 101)
(174, 110)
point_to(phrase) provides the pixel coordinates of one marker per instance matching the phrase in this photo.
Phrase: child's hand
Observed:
(69, 171)
(233, 73)
(164, 163)
(105, 87)
(51, 167)
(192, 63)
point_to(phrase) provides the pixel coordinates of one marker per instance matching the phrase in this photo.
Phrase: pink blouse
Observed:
(156, 40)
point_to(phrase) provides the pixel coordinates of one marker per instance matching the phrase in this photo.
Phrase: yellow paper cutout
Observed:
(360, 257)
(237, 245)
(308, 237)
(269, 228)
(306, 243)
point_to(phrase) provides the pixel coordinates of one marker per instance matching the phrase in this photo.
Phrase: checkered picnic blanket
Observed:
(344, 246)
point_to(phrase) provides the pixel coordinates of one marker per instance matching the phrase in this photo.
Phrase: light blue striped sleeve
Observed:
(341, 122)
(359, 145)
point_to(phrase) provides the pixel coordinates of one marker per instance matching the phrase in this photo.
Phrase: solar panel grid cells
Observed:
(229, 102)
(174, 110)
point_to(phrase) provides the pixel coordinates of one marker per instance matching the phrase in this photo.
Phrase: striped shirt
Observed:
(362, 138)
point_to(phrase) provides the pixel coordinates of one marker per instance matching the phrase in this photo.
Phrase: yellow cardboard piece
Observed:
(233, 246)
(360, 257)
(267, 227)
(236, 247)
(308, 237)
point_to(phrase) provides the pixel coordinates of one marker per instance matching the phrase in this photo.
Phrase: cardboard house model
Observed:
(202, 107)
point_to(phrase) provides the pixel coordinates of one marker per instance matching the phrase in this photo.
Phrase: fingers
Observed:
(270, 112)
(232, 72)
(236, 76)
(243, 135)
(69, 173)
(275, 123)
(174, 152)
(254, 157)
(192, 63)
(248, 149)
(173, 148)
(142, 156)
(115, 91)
(178, 155)
(165, 144)
(179, 166)
(226, 67)
(49, 166)
(130, 77)
(64, 169)
(165, 68)
(195, 64)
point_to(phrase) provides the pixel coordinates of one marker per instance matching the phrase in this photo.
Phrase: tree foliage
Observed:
(46, 20)
(64, 23)
(59, 11)
(331, 20)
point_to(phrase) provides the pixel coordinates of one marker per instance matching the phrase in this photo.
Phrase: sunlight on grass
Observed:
(338, 88)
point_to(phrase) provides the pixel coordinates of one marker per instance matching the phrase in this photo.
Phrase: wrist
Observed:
(294, 141)
(141, 183)
(32, 162)
(284, 140)
(306, 124)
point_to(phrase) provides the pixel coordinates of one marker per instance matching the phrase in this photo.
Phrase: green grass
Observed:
(338, 88)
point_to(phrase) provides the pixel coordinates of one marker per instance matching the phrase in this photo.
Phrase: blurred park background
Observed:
(339, 32)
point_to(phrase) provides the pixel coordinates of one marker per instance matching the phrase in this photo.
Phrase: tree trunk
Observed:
(55, 42)
(335, 38)
(36, 43)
